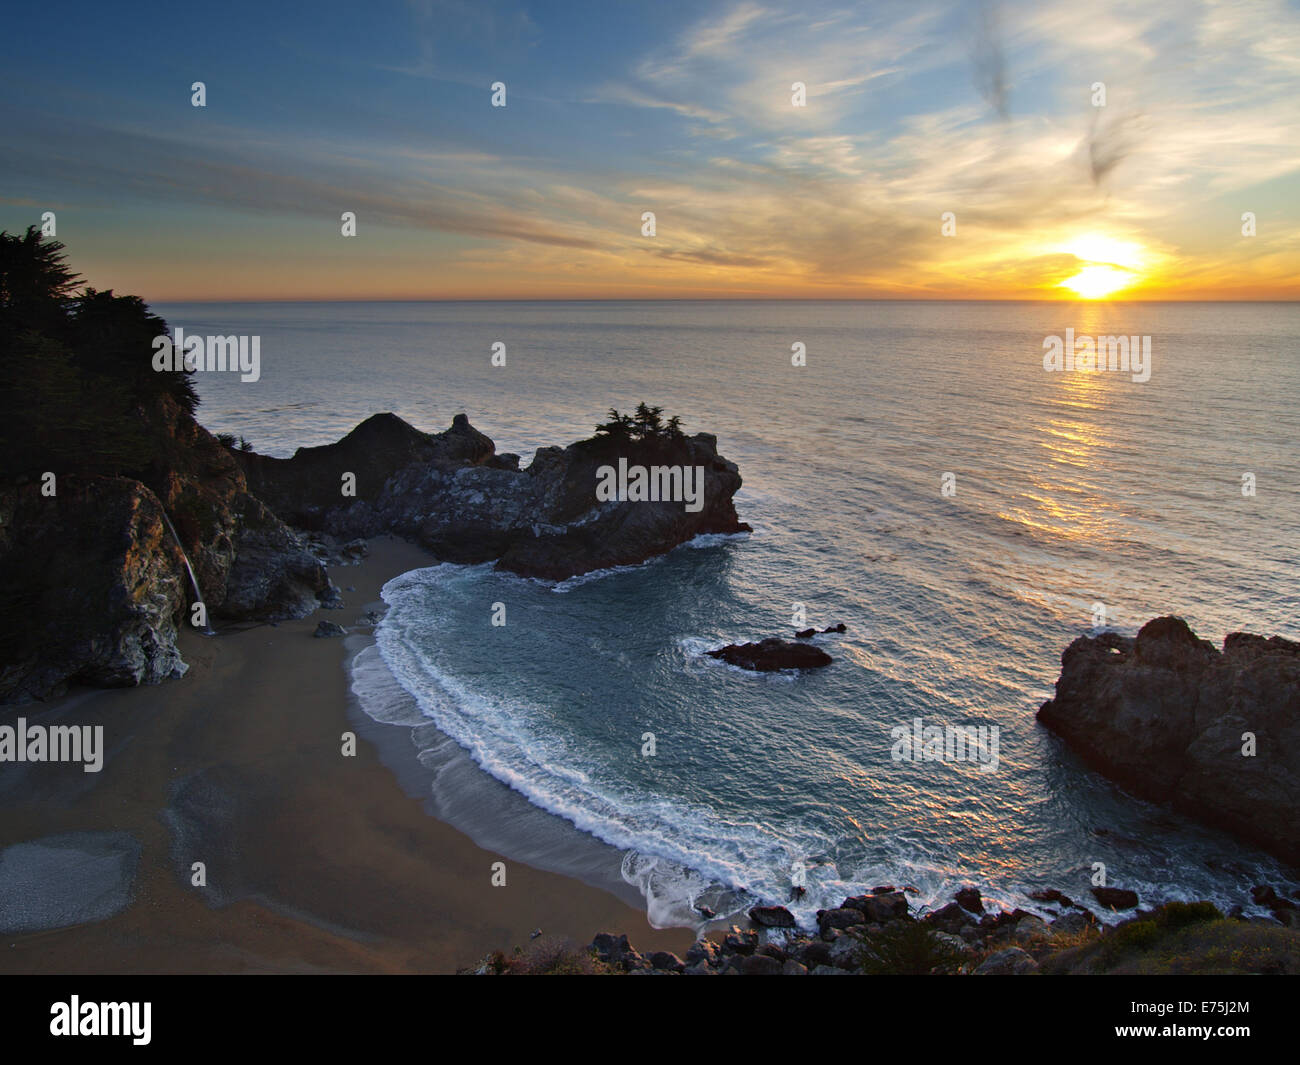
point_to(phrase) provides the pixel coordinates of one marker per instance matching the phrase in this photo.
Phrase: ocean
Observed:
(591, 734)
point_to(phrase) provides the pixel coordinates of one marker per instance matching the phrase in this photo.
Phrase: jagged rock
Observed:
(805, 634)
(273, 576)
(667, 960)
(704, 950)
(738, 942)
(969, 899)
(772, 654)
(1052, 895)
(1116, 898)
(793, 968)
(1010, 962)
(611, 949)
(448, 494)
(836, 628)
(1165, 713)
(328, 628)
(306, 487)
(772, 917)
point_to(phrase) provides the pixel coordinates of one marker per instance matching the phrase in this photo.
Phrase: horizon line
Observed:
(720, 299)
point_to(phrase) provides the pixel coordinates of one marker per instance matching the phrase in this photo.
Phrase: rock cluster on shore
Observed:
(1214, 733)
(878, 933)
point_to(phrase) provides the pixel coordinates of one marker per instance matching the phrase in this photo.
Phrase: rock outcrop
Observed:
(772, 654)
(1172, 718)
(452, 494)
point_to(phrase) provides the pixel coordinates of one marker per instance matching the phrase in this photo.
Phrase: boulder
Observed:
(772, 917)
(969, 900)
(1115, 898)
(666, 960)
(760, 965)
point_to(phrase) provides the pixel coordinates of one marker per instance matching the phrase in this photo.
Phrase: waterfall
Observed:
(194, 581)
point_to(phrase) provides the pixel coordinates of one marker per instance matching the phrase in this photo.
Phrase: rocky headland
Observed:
(99, 584)
(1213, 732)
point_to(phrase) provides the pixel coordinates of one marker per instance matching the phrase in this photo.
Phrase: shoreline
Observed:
(315, 862)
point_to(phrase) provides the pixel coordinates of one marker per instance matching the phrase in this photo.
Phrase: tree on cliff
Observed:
(646, 424)
(78, 392)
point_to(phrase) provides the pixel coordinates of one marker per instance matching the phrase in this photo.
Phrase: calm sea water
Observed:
(1071, 490)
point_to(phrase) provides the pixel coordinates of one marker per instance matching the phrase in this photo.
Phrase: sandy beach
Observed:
(315, 862)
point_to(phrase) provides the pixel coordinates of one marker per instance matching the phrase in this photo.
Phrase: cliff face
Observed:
(95, 586)
(464, 503)
(97, 583)
(1166, 714)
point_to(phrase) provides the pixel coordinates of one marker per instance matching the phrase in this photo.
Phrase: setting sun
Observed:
(1109, 265)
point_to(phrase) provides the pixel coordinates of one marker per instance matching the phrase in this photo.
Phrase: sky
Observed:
(942, 151)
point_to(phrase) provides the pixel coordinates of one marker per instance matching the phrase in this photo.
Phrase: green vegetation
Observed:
(544, 957)
(77, 384)
(907, 948)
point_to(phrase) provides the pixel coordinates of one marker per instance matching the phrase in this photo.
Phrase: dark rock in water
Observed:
(1263, 895)
(772, 654)
(772, 917)
(1052, 895)
(1116, 898)
(969, 899)
(328, 628)
(886, 889)
(835, 628)
(805, 634)
(704, 911)
(1166, 714)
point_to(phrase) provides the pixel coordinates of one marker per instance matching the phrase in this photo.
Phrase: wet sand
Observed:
(315, 862)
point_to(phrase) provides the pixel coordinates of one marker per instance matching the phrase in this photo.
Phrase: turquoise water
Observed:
(1071, 490)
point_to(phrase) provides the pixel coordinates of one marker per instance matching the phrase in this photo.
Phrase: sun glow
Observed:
(1109, 265)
